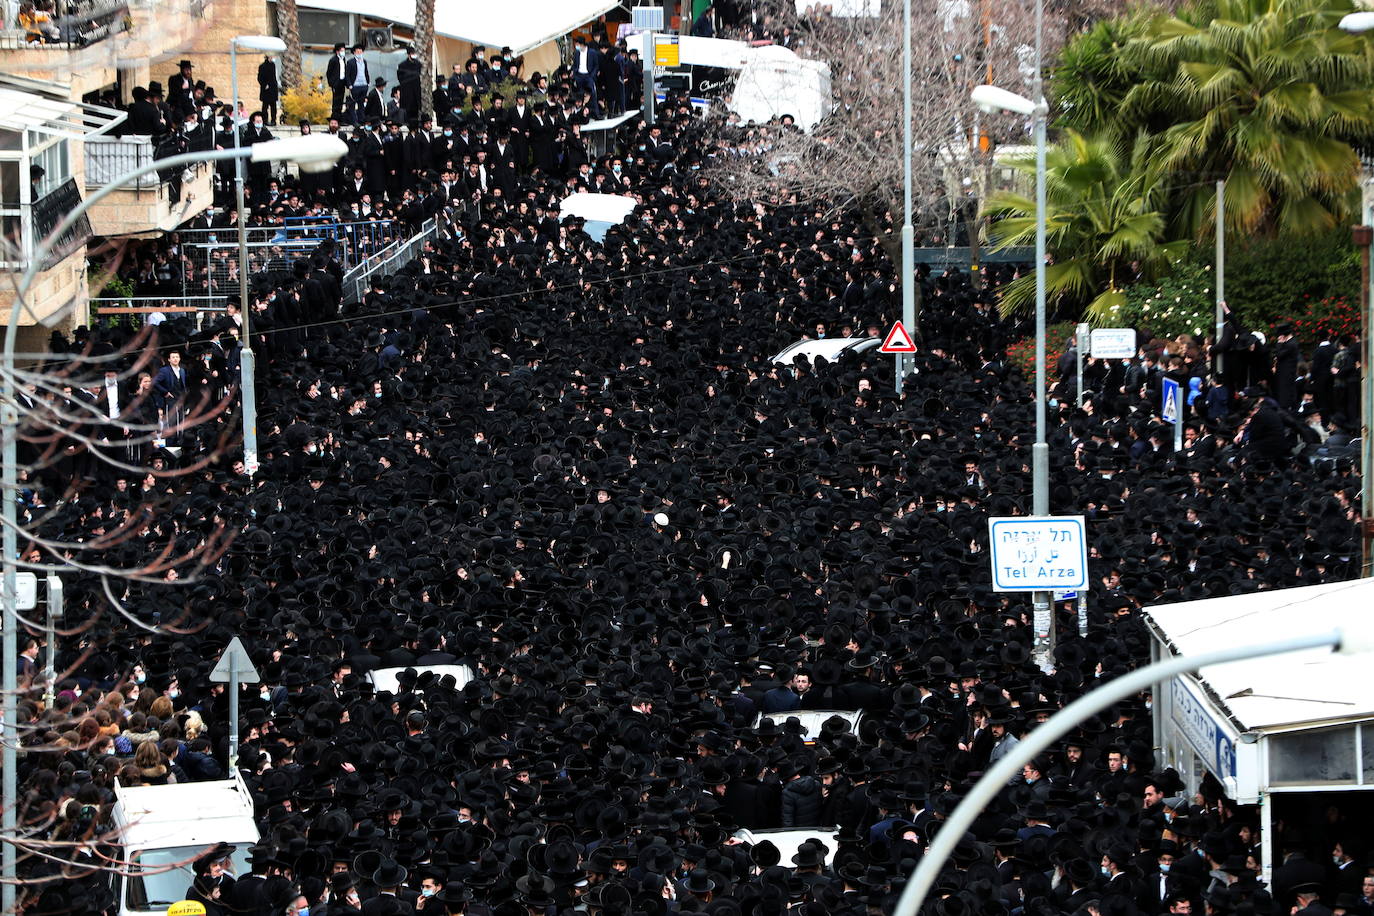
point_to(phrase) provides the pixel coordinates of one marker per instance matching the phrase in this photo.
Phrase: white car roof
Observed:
(185, 814)
(812, 719)
(387, 678)
(829, 347)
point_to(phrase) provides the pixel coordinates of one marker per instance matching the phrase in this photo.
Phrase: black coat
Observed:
(269, 90)
(801, 802)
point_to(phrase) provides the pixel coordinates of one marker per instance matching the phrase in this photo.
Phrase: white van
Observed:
(161, 826)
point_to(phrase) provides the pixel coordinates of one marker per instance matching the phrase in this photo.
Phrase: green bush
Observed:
(1270, 279)
(1183, 302)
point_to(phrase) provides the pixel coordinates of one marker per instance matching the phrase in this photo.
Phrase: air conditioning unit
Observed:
(647, 18)
(378, 39)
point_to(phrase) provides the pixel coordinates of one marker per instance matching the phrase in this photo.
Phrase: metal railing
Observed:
(107, 158)
(387, 262)
(134, 311)
(355, 242)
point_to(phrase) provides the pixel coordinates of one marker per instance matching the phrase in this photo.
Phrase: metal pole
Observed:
(1221, 271)
(9, 779)
(233, 712)
(1083, 343)
(55, 598)
(648, 94)
(247, 363)
(1367, 407)
(1083, 612)
(1040, 453)
(908, 253)
(1043, 736)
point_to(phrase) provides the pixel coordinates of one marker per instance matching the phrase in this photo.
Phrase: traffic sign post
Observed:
(1084, 341)
(1039, 554)
(234, 667)
(56, 598)
(1171, 409)
(898, 342)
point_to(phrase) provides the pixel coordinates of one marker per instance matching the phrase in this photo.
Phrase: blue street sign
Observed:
(1172, 401)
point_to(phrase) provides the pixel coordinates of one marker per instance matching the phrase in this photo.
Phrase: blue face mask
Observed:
(426, 892)
(1165, 866)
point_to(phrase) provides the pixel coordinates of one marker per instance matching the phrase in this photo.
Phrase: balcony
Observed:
(85, 24)
(85, 46)
(147, 204)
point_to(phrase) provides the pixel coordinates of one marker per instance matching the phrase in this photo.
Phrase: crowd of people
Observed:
(572, 467)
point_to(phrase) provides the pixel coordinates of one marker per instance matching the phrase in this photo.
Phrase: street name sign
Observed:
(1112, 343)
(1038, 553)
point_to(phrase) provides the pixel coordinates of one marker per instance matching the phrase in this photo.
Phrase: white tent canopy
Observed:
(776, 82)
(519, 24)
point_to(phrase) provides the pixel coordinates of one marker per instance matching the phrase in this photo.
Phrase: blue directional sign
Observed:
(1170, 407)
(1044, 553)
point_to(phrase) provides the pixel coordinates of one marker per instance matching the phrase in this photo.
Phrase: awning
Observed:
(1299, 688)
(519, 24)
(609, 123)
(24, 111)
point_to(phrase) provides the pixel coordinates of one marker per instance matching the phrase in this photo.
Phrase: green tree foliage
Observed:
(1268, 94)
(1102, 223)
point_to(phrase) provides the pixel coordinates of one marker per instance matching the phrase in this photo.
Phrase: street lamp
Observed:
(247, 362)
(989, 99)
(1356, 637)
(908, 236)
(1356, 23)
(313, 153)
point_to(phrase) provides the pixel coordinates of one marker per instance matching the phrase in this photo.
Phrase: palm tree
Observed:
(1102, 224)
(1268, 94)
(424, 49)
(289, 28)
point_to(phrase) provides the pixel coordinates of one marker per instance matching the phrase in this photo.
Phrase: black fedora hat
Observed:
(389, 873)
(699, 882)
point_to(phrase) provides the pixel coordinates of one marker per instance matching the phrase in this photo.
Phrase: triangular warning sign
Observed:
(897, 340)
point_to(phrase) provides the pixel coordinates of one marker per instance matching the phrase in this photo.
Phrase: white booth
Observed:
(1289, 732)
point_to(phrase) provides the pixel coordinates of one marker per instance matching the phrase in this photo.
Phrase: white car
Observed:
(829, 347)
(812, 719)
(388, 679)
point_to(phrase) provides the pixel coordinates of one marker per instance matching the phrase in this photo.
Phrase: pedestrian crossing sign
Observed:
(1169, 410)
